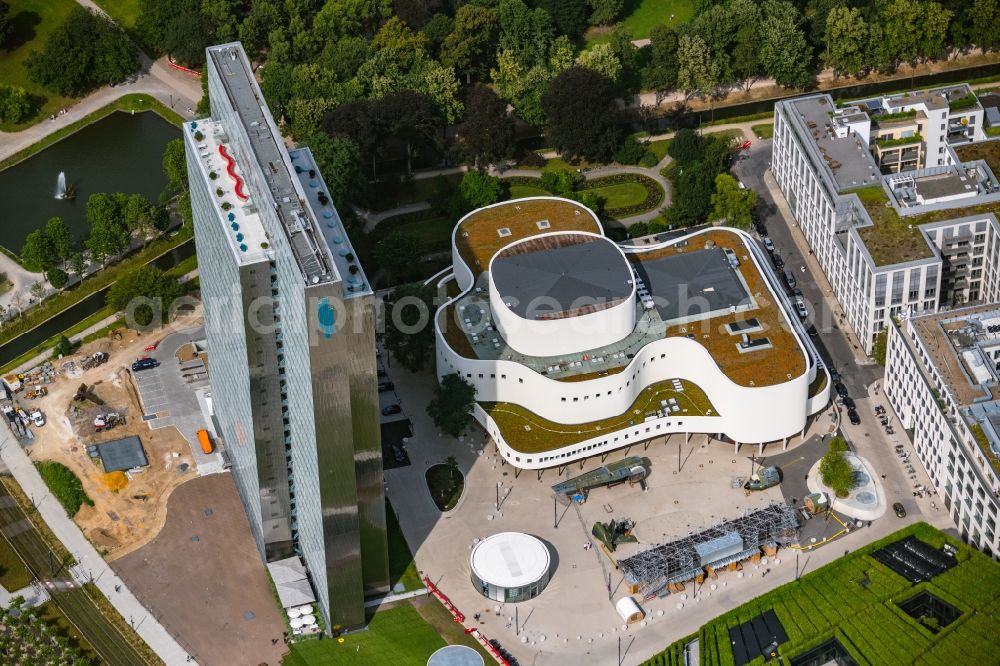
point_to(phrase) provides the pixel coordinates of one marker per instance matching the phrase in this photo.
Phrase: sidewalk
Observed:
(34, 595)
(89, 562)
(816, 270)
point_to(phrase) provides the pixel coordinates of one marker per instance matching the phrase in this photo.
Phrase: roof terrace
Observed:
(238, 214)
(846, 158)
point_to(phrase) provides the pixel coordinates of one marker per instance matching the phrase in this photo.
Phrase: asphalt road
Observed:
(832, 343)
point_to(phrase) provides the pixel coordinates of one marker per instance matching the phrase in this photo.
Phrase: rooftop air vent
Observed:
(543, 224)
(503, 232)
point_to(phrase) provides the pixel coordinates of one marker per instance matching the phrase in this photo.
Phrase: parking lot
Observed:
(168, 394)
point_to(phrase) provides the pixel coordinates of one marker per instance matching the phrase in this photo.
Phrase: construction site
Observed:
(92, 421)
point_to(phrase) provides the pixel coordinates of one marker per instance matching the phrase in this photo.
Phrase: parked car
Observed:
(759, 226)
(800, 308)
(37, 418)
(391, 409)
(841, 389)
(900, 511)
(853, 416)
(385, 386)
(835, 377)
(777, 261)
(811, 331)
(144, 364)
(849, 403)
(790, 279)
(398, 454)
(769, 245)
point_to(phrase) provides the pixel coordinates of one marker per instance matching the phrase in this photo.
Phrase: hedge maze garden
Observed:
(856, 600)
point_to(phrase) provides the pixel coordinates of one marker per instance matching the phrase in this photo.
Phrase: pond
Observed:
(120, 153)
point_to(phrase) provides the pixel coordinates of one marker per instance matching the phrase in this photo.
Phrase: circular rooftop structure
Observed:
(510, 567)
(561, 275)
(562, 293)
(455, 655)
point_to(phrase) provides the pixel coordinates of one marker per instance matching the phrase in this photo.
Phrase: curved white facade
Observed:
(577, 333)
(746, 414)
(510, 566)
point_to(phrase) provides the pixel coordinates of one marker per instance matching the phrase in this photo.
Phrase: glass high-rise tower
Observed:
(289, 317)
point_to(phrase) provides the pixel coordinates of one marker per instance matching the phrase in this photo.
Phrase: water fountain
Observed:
(64, 191)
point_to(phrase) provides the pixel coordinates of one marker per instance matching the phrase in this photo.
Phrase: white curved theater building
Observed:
(578, 346)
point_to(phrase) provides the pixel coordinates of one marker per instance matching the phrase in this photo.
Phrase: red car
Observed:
(746, 144)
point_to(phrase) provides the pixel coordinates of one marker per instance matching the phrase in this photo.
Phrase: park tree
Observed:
(108, 234)
(436, 31)
(834, 469)
(847, 39)
(605, 12)
(405, 45)
(784, 51)
(601, 58)
(524, 32)
(692, 194)
(487, 134)
(57, 277)
(569, 16)
(338, 18)
(984, 24)
(451, 406)
(746, 65)
(697, 71)
(175, 166)
(138, 214)
(339, 159)
(438, 83)
(6, 26)
(522, 88)
(177, 28)
(398, 252)
(62, 347)
(731, 203)
(660, 72)
(479, 189)
(583, 120)
(87, 50)
(147, 282)
(409, 325)
(912, 29)
(15, 104)
(261, 18)
(411, 119)
(59, 237)
(561, 54)
(37, 253)
(417, 13)
(471, 45)
(562, 182)
(686, 146)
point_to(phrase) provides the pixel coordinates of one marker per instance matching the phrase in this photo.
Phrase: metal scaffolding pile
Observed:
(679, 561)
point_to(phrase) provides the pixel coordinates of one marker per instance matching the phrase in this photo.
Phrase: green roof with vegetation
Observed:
(984, 446)
(893, 239)
(527, 432)
(868, 622)
(899, 141)
(989, 151)
(966, 102)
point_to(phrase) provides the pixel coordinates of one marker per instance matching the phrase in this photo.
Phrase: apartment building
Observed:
(290, 329)
(942, 379)
(898, 226)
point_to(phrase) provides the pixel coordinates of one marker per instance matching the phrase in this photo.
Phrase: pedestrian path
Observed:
(88, 559)
(33, 595)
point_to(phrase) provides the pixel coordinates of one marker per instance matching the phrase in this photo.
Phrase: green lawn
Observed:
(641, 16)
(659, 148)
(445, 483)
(13, 574)
(764, 131)
(395, 637)
(434, 232)
(868, 621)
(621, 195)
(521, 191)
(124, 12)
(33, 21)
(402, 568)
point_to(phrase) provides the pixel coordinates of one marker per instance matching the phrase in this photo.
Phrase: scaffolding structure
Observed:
(686, 558)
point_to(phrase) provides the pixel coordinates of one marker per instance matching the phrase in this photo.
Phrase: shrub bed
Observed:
(65, 486)
(445, 483)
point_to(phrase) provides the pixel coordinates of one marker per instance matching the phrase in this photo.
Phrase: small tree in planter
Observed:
(226, 205)
(218, 191)
(198, 136)
(834, 469)
(213, 175)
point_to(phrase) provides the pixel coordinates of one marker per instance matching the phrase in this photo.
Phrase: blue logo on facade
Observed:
(327, 318)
